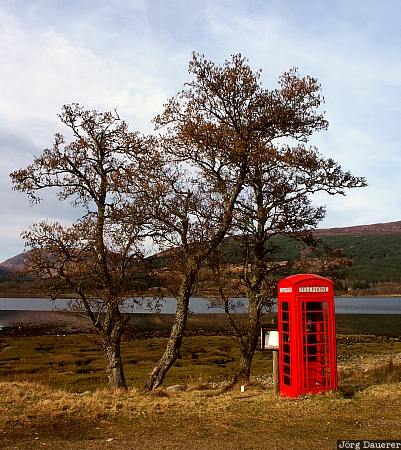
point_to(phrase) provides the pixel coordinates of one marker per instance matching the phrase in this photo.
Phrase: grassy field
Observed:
(53, 395)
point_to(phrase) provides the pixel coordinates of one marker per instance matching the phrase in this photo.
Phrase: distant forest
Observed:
(375, 268)
(376, 259)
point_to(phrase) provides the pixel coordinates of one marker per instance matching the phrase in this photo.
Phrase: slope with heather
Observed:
(375, 252)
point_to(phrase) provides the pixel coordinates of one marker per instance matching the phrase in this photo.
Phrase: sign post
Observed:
(270, 341)
(276, 386)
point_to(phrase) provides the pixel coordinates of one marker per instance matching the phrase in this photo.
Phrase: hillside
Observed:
(14, 264)
(335, 236)
(378, 229)
(375, 251)
(376, 260)
(4, 274)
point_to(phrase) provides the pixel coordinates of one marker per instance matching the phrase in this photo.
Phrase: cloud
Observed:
(48, 69)
(132, 55)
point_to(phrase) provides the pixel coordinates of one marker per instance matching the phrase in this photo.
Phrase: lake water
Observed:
(344, 305)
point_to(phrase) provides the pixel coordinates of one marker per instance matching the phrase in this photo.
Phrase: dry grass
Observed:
(193, 419)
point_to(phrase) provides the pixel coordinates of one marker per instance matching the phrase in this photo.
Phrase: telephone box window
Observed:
(286, 348)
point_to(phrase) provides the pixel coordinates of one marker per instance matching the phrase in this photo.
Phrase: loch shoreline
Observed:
(144, 325)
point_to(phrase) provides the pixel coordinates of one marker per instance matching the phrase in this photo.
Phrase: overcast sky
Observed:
(133, 54)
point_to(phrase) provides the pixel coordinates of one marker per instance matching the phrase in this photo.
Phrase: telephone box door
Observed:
(316, 349)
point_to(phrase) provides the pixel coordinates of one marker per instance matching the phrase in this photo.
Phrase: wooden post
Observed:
(275, 372)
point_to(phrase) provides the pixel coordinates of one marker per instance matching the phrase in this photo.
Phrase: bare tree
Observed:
(277, 201)
(101, 171)
(215, 128)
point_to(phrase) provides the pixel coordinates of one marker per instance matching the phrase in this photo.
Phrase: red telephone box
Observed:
(307, 335)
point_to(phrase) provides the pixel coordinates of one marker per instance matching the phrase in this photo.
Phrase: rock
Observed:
(175, 388)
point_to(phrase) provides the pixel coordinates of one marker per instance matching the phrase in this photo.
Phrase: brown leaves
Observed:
(105, 170)
(101, 154)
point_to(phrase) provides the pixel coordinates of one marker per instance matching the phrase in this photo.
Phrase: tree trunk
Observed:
(111, 332)
(248, 343)
(115, 370)
(172, 352)
(243, 371)
(247, 351)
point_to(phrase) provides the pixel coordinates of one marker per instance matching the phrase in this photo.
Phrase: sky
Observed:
(133, 55)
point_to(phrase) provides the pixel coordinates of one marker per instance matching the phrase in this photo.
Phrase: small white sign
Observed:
(271, 340)
(285, 290)
(314, 289)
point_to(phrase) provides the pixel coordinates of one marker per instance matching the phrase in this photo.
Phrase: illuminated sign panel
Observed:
(285, 290)
(313, 289)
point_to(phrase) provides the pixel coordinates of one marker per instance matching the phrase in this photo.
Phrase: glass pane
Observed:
(286, 348)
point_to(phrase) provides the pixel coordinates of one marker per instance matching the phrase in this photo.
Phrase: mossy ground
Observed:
(76, 363)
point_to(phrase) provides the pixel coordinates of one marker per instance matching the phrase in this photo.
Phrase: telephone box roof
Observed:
(302, 277)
